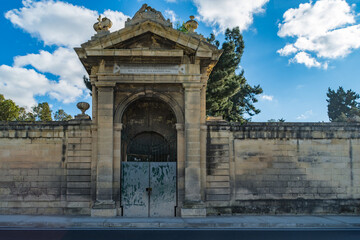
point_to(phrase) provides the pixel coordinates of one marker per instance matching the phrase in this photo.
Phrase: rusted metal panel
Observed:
(148, 189)
(163, 185)
(134, 197)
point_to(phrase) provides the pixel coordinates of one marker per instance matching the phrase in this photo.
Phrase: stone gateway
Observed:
(149, 150)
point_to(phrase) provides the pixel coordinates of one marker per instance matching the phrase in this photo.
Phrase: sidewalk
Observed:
(27, 221)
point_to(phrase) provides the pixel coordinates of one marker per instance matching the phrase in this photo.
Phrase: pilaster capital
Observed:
(93, 79)
(193, 86)
(118, 126)
(179, 126)
(105, 86)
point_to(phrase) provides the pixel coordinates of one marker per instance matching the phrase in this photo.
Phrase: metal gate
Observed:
(148, 189)
(148, 178)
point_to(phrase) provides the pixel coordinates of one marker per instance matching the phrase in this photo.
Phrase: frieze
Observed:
(148, 69)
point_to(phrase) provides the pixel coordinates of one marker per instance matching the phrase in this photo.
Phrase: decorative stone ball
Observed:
(83, 106)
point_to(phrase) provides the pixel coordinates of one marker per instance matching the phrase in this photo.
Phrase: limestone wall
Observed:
(283, 168)
(45, 168)
(256, 168)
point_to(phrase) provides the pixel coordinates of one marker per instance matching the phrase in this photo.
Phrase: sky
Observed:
(294, 49)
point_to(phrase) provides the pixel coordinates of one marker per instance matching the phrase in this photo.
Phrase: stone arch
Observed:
(173, 104)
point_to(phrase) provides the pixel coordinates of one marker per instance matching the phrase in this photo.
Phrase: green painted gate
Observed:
(148, 189)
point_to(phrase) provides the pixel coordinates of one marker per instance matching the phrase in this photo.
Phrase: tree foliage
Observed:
(228, 93)
(42, 112)
(9, 111)
(181, 27)
(274, 120)
(61, 115)
(87, 83)
(342, 105)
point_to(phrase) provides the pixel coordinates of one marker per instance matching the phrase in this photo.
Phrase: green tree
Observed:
(42, 112)
(342, 105)
(87, 83)
(274, 120)
(61, 115)
(228, 93)
(181, 27)
(9, 111)
(25, 116)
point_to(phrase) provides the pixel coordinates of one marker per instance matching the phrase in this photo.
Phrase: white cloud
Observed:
(65, 92)
(287, 50)
(305, 58)
(267, 97)
(117, 18)
(316, 19)
(60, 23)
(55, 23)
(63, 63)
(333, 44)
(21, 85)
(170, 14)
(229, 13)
(305, 115)
(326, 28)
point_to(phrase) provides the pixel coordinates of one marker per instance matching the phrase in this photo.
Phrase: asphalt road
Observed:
(181, 234)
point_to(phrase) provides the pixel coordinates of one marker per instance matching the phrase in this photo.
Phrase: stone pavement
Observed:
(283, 221)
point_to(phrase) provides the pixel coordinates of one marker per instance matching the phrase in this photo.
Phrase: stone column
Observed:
(94, 103)
(180, 165)
(93, 79)
(105, 205)
(203, 137)
(193, 201)
(117, 164)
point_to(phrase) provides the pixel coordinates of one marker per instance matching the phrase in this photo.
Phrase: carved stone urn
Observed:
(83, 106)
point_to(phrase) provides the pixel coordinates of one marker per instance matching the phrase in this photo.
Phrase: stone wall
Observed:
(256, 168)
(45, 168)
(297, 168)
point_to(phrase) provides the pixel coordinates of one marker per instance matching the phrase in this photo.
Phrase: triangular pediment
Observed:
(150, 35)
(147, 40)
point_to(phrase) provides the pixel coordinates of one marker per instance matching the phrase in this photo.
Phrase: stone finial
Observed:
(83, 106)
(191, 25)
(103, 24)
(147, 13)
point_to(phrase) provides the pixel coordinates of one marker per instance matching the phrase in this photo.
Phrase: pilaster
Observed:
(117, 164)
(180, 165)
(105, 205)
(193, 188)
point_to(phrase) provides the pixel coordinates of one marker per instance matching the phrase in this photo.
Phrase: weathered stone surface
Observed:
(193, 212)
(149, 79)
(34, 158)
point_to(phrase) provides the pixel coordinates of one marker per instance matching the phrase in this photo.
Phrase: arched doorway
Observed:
(148, 176)
(150, 147)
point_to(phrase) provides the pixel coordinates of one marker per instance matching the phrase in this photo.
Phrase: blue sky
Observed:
(295, 50)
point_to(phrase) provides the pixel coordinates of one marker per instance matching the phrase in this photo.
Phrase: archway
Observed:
(148, 176)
